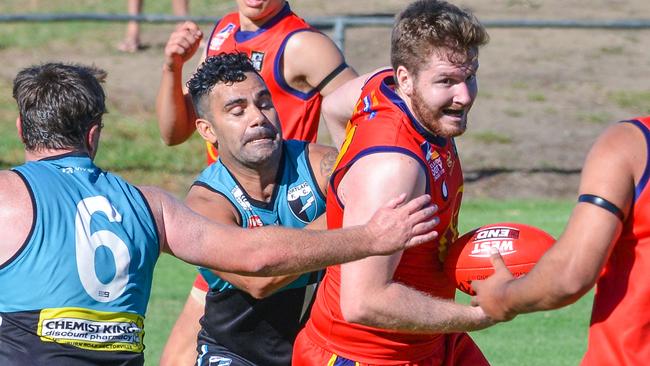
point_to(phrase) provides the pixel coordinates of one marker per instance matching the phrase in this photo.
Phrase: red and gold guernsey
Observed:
(620, 322)
(382, 123)
(299, 112)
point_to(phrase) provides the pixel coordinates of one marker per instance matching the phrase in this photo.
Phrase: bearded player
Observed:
(399, 309)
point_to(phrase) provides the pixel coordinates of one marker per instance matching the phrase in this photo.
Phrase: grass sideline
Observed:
(551, 338)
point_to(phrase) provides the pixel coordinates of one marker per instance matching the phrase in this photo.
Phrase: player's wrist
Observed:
(172, 67)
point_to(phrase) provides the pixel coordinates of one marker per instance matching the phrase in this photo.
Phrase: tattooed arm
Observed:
(322, 159)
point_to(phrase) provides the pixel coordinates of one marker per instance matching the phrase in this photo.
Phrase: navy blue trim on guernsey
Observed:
(279, 78)
(311, 173)
(209, 188)
(31, 230)
(376, 150)
(153, 218)
(214, 29)
(243, 36)
(646, 171)
(399, 102)
(67, 155)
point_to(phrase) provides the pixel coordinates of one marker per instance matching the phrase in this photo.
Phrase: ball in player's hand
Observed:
(520, 246)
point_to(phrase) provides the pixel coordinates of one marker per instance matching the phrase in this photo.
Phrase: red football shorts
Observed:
(460, 350)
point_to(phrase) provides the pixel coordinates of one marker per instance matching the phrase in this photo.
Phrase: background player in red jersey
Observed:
(298, 64)
(399, 309)
(606, 241)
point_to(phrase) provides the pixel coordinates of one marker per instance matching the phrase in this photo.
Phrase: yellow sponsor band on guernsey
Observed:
(350, 130)
(92, 329)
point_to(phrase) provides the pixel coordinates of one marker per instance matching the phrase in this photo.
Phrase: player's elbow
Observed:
(171, 138)
(355, 311)
(261, 263)
(168, 140)
(260, 290)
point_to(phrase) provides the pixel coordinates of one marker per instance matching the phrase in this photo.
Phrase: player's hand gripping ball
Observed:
(520, 246)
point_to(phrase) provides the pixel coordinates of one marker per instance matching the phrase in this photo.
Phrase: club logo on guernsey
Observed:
(501, 238)
(433, 160)
(302, 202)
(257, 59)
(90, 329)
(221, 36)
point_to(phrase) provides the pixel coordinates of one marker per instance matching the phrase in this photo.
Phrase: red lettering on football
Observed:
(520, 246)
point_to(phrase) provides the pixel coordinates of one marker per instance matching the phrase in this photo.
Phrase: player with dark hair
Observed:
(80, 244)
(258, 179)
(299, 66)
(399, 309)
(606, 243)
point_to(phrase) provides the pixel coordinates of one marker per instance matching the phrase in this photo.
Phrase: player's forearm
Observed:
(398, 307)
(543, 289)
(175, 114)
(282, 251)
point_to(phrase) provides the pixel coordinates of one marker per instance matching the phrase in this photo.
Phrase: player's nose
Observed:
(464, 93)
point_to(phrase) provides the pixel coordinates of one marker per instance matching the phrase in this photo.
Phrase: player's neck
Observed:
(258, 182)
(35, 155)
(251, 25)
(404, 97)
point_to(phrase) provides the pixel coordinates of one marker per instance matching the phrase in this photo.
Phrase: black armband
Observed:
(331, 76)
(602, 203)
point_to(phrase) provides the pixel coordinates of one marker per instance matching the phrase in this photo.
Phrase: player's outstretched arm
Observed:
(275, 250)
(174, 107)
(219, 209)
(571, 267)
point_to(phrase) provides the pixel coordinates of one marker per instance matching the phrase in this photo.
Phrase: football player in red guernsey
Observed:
(606, 242)
(298, 64)
(399, 309)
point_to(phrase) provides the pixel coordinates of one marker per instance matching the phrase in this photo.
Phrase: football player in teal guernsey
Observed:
(259, 179)
(80, 244)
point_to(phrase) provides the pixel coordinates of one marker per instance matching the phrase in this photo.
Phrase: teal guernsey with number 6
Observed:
(236, 325)
(76, 293)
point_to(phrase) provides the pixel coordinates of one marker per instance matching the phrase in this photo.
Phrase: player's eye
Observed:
(447, 81)
(237, 111)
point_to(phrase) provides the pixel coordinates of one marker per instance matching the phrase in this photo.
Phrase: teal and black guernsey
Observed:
(76, 292)
(263, 331)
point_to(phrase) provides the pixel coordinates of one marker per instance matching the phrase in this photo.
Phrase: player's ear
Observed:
(206, 130)
(404, 80)
(92, 139)
(19, 128)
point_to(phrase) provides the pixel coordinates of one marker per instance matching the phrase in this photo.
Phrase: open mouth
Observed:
(261, 139)
(457, 113)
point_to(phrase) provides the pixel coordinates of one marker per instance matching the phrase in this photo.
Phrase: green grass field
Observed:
(131, 147)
